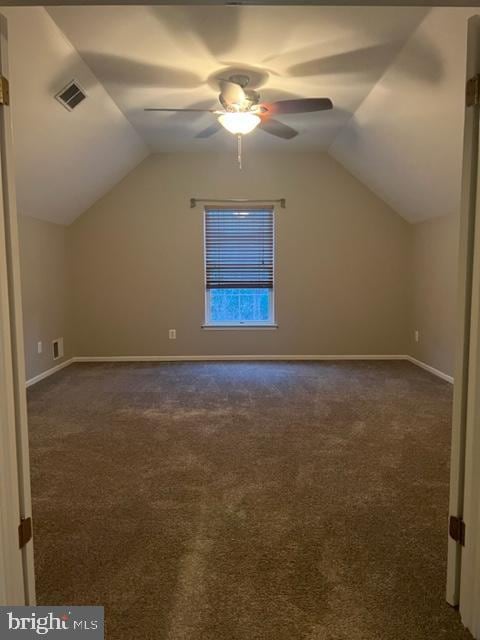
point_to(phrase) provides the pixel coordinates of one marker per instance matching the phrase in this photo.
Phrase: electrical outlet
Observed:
(172, 334)
(39, 347)
(417, 335)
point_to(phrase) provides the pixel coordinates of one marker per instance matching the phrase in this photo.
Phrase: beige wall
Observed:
(45, 291)
(433, 291)
(352, 276)
(341, 267)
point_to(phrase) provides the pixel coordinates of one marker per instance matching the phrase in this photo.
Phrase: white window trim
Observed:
(271, 323)
(248, 327)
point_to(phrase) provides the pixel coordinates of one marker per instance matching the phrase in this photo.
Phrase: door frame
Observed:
(468, 432)
(463, 567)
(466, 253)
(11, 564)
(19, 577)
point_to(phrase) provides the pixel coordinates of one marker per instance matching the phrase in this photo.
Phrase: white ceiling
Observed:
(396, 76)
(65, 160)
(405, 139)
(170, 56)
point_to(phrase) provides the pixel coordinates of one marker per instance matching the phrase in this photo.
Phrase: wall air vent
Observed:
(71, 95)
(57, 348)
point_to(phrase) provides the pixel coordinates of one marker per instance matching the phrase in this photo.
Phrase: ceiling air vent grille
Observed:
(71, 95)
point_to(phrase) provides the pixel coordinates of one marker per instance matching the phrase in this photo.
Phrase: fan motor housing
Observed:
(240, 78)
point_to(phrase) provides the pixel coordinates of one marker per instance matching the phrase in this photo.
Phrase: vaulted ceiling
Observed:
(174, 57)
(395, 76)
(65, 160)
(405, 139)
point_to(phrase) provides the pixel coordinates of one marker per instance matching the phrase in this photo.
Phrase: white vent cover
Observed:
(71, 95)
(57, 348)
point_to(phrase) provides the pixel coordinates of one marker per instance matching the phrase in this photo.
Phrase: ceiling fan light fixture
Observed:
(239, 122)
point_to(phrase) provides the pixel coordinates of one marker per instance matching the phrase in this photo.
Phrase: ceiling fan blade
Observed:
(209, 131)
(186, 110)
(277, 128)
(301, 105)
(231, 92)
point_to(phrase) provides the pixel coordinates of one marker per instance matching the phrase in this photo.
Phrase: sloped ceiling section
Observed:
(396, 76)
(405, 140)
(174, 56)
(64, 160)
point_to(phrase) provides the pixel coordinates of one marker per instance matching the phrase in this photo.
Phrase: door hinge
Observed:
(456, 529)
(472, 94)
(4, 91)
(24, 531)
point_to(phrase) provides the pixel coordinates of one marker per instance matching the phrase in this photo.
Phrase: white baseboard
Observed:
(48, 372)
(427, 367)
(176, 358)
(219, 358)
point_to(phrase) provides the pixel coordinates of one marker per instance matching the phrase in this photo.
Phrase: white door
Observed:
(463, 579)
(16, 561)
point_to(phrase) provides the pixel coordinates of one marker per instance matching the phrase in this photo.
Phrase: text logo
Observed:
(51, 622)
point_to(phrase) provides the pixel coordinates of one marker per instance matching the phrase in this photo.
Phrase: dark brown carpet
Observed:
(245, 501)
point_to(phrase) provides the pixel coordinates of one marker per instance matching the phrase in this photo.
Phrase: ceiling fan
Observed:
(242, 111)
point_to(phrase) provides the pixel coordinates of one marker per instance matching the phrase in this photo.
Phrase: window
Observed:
(239, 251)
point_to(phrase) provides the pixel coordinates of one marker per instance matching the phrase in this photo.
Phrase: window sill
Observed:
(223, 327)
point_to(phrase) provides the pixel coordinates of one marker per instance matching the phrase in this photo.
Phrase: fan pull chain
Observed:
(239, 155)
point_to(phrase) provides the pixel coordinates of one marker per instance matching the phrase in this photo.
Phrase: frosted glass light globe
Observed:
(239, 122)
